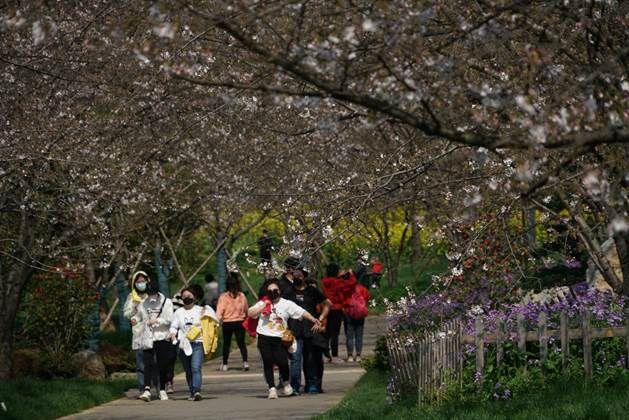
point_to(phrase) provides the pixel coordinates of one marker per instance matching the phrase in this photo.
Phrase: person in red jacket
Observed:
(376, 272)
(337, 287)
(356, 310)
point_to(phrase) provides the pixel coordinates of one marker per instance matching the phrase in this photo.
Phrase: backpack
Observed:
(356, 306)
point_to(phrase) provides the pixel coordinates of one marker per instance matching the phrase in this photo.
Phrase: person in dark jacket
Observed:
(285, 282)
(265, 245)
(362, 271)
(311, 344)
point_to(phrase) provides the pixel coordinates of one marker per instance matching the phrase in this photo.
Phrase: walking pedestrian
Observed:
(232, 311)
(265, 245)
(186, 329)
(376, 268)
(337, 287)
(139, 281)
(273, 312)
(210, 290)
(356, 310)
(311, 344)
(155, 313)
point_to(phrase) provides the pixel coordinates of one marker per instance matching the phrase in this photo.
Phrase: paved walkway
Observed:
(236, 394)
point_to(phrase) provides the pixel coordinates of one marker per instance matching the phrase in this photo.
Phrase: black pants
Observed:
(313, 364)
(273, 353)
(236, 328)
(335, 320)
(171, 351)
(156, 364)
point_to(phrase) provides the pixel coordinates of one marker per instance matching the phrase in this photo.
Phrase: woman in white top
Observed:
(139, 280)
(273, 313)
(190, 353)
(155, 314)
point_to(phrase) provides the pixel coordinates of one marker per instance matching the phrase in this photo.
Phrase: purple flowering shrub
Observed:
(420, 314)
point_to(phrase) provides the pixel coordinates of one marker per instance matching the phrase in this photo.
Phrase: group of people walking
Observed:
(160, 332)
(297, 325)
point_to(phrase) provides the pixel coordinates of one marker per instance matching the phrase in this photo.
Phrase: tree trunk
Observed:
(530, 225)
(122, 289)
(621, 240)
(416, 244)
(221, 262)
(161, 271)
(14, 274)
(11, 286)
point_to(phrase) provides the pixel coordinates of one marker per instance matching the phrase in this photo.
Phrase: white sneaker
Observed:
(146, 395)
(287, 390)
(224, 368)
(197, 396)
(273, 393)
(163, 395)
(170, 389)
(358, 359)
(245, 366)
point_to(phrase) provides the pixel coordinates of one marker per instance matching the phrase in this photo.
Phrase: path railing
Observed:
(427, 363)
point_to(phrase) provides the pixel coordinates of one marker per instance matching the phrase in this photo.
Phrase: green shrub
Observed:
(56, 319)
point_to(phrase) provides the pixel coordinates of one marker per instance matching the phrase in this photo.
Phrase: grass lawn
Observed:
(367, 400)
(48, 399)
(417, 281)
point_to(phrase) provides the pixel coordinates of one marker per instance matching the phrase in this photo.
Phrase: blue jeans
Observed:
(139, 368)
(354, 334)
(192, 366)
(295, 365)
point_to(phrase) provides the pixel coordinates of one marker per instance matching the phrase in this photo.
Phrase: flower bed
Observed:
(520, 371)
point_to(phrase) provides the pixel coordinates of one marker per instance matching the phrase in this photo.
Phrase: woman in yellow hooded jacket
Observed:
(139, 281)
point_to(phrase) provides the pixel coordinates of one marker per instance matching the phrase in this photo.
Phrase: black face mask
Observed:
(188, 301)
(274, 294)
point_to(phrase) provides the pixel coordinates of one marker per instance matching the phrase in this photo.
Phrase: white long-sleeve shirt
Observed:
(184, 318)
(160, 330)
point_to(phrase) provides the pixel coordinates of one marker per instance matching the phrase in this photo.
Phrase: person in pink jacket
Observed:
(231, 310)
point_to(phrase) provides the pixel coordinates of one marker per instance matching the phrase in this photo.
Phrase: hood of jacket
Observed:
(134, 293)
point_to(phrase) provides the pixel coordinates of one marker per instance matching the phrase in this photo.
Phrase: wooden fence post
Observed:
(480, 348)
(522, 336)
(565, 339)
(587, 343)
(459, 352)
(627, 335)
(543, 338)
(419, 371)
(500, 337)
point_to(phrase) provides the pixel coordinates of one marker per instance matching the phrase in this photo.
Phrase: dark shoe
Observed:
(313, 390)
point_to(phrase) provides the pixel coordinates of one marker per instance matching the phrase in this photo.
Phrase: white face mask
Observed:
(141, 286)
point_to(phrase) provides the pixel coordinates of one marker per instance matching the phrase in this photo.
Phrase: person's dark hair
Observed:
(265, 286)
(233, 283)
(188, 289)
(198, 291)
(291, 262)
(332, 270)
(209, 277)
(152, 288)
(264, 231)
